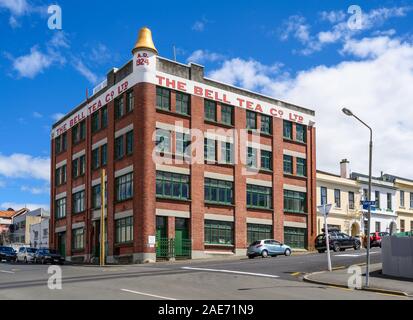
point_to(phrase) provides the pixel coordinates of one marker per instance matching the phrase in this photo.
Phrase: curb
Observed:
(375, 290)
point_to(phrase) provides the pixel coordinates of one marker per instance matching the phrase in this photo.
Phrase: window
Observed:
(61, 208)
(295, 237)
(288, 164)
(95, 122)
(251, 120)
(104, 118)
(209, 150)
(411, 226)
(61, 143)
(377, 197)
(210, 110)
(365, 194)
(129, 143)
(411, 201)
(219, 232)
(78, 167)
(402, 199)
(300, 133)
(183, 144)
(124, 187)
(266, 160)
(163, 141)
(227, 116)
(351, 200)
(301, 167)
(104, 155)
(172, 185)
(218, 191)
(389, 202)
(257, 232)
(79, 202)
(227, 152)
(266, 123)
(124, 230)
(119, 109)
(259, 197)
(163, 98)
(323, 192)
(119, 149)
(402, 226)
(378, 226)
(252, 161)
(95, 159)
(337, 198)
(182, 103)
(295, 201)
(60, 175)
(130, 101)
(97, 196)
(79, 132)
(78, 239)
(288, 129)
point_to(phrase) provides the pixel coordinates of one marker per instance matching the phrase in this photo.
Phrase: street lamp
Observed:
(349, 113)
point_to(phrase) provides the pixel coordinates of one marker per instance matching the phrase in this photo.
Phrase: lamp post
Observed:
(349, 113)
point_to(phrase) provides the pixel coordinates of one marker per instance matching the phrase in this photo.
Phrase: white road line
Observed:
(231, 271)
(4, 271)
(354, 255)
(147, 294)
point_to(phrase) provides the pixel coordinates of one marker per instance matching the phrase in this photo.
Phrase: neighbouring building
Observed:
(383, 214)
(39, 234)
(404, 202)
(22, 222)
(344, 194)
(194, 167)
(5, 223)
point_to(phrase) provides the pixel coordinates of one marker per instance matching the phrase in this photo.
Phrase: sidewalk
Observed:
(378, 282)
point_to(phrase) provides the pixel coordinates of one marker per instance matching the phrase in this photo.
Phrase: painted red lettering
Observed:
(198, 91)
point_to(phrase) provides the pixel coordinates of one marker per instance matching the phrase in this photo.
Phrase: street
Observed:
(234, 279)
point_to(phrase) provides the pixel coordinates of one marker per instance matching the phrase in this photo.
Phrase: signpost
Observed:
(325, 210)
(102, 220)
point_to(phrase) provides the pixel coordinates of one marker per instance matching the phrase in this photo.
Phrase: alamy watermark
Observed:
(55, 280)
(55, 21)
(356, 277)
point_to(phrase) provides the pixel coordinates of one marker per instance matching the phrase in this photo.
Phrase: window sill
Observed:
(259, 209)
(78, 213)
(124, 200)
(172, 113)
(125, 244)
(295, 141)
(265, 134)
(294, 212)
(216, 204)
(158, 198)
(221, 124)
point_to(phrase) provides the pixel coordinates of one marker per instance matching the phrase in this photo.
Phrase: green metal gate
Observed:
(295, 237)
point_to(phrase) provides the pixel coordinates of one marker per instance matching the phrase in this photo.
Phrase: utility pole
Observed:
(102, 219)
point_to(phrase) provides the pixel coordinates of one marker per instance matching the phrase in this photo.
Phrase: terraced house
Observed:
(171, 193)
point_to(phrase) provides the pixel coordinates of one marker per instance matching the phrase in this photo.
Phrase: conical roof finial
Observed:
(145, 41)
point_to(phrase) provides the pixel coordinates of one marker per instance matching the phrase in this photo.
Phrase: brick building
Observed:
(254, 174)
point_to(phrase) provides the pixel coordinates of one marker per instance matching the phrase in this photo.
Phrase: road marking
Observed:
(355, 255)
(4, 271)
(295, 274)
(231, 271)
(147, 294)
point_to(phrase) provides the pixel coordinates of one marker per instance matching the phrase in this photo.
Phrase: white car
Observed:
(26, 255)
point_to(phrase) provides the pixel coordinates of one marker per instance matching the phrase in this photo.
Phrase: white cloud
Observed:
(59, 40)
(32, 64)
(370, 47)
(85, 71)
(18, 206)
(199, 26)
(25, 166)
(297, 27)
(201, 56)
(37, 115)
(378, 90)
(16, 7)
(57, 116)
(333, 16)
(36, 190)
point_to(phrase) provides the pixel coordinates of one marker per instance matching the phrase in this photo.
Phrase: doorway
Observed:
(61, 243)
(182, 239)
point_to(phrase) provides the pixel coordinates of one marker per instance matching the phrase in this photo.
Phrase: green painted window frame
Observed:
(130, 98)
(119, 108)
(227, 152)
(252, 157)
(183, 144)
(218, 233)
(252, 120)
(257, 232)
(210, 150)
(172, 185)
(124, 230)
(163, 141)
(104, 117)
(78, 239)
(288, 164)
(292, 236)
(163, 98)
(124, 187)
(301, 167)
(61, 208)
(104, 155)
(266, 124)
(79, 202)
(301, 133)
(129, 143)
(259, 197)
(295, 201)
(183, 103)
(95, 122)
(266, 160)
(287, 129)
(210, 110)
(218, 191)
(119, 148)
(227, 114)
(95, 159)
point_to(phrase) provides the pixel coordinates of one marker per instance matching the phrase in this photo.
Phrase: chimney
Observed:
(344, 169)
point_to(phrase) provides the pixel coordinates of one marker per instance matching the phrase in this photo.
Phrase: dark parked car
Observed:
(338, 242)
(8, 254)
(375, 239)
(44, 256)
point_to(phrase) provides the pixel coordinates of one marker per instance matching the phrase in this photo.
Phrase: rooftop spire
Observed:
(145, 41)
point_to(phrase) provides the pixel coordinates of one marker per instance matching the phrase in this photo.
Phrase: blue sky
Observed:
(300, 51)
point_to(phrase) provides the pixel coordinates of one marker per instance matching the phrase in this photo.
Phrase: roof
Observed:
(8, 214)
(393, 178)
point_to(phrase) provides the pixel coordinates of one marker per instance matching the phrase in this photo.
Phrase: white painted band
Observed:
(123, 171)
(218, 176)
(123, 131)
(218, 217)
(173, 213)
(261, 183)
(161, 167)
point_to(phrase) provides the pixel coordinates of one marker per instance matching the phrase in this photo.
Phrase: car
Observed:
(8, 254)
(26, 255)
(375, 239)
(338, 242)
(268, 248)
(45, 256)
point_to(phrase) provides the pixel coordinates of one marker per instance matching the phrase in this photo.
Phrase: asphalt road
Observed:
(234, 279)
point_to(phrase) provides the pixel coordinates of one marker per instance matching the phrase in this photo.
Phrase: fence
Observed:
(167, 249)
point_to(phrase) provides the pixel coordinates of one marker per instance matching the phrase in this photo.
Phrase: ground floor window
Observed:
(78, 239)
(258, 232)
(219, 232)
(124, 230)
(295, 237)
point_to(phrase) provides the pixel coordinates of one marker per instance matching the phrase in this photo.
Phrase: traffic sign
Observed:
(368, 204)
(325, 209)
